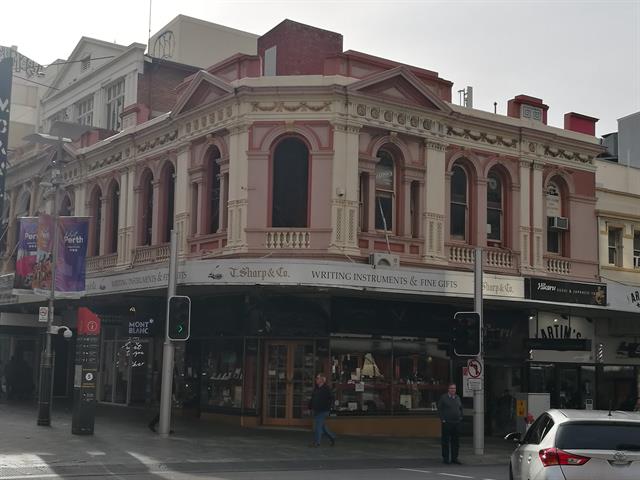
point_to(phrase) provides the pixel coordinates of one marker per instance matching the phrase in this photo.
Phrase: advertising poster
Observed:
(26, 255)
(71, 256)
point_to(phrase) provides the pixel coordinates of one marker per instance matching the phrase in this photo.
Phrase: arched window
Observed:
(385, 191)
(114, 216)
(96, 214)
(66, 209)
(213, 192)
(494, 207)
(557, 223)
(290, 184)
(147, 208)
(168, 200)
(459, 203)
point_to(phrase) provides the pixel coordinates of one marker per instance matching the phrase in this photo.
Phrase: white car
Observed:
(578, 445)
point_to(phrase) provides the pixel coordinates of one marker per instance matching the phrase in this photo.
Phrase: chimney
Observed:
(524, 106)
(580, 123)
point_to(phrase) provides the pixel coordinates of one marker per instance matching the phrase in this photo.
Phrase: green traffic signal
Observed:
(179, 315)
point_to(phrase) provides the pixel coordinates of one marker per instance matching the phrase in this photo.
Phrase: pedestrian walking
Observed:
(320, 406)
(450, 411)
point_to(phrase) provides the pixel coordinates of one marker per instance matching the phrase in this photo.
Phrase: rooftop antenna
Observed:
(149, 40)
(466, 97)
(495, 107)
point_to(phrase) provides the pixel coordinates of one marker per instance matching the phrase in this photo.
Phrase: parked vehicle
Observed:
(578, 444)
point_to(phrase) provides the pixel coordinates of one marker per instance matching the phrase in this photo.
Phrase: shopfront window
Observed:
(222, 374)
(617, 388)
(387, 376)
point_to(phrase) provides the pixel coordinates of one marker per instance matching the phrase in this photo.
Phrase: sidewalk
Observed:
(123, 444)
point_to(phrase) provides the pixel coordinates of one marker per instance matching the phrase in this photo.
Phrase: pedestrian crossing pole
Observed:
(478, 392)
(164, 425)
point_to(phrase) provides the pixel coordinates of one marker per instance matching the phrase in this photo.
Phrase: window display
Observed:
(222, 373)
(387, 376)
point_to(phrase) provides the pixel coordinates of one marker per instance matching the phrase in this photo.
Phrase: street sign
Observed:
(43, 314)
(474, 384)
(474, 365)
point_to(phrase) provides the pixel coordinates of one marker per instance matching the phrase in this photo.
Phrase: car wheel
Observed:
(510, 472)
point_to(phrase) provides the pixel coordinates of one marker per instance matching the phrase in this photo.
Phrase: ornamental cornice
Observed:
(435, 146)
(396, 117)
(206, 123)
(105, 161)
(152, 144)
(299, 106)
(562, 154)
(346, 128)
(482, 137)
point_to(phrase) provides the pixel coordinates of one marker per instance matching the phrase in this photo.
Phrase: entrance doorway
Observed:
(290, 369)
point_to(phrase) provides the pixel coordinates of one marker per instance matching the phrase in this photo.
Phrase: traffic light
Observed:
(466, 334)
(179, 318)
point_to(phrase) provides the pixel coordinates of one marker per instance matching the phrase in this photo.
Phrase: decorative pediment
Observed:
(204, 88)
(400, 85)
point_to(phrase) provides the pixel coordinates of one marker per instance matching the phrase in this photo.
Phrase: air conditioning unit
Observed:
(559, 223)
(384, 260)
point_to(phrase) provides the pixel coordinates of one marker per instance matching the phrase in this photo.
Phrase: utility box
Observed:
(530, 406)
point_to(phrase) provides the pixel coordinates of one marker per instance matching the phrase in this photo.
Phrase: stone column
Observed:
(406, 207)
(222, 206)
(537, 202)
(155, 232)
(182, 198)
(524, 230)
(371, 201)
(434, 206)
(104, 201)
(126, 217)
(344, 190)
(238, 189)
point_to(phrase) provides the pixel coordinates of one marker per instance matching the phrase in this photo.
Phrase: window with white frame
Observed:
(636, 249)
(115, 104)
(84, 111)
(385, 191)
(615, 246)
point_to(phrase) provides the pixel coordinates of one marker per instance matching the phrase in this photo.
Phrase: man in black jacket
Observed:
(450, 410)
(320, 405)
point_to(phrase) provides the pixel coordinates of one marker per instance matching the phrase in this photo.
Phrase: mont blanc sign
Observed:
(311, 273)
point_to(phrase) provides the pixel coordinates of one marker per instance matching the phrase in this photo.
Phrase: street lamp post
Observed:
(62, 131)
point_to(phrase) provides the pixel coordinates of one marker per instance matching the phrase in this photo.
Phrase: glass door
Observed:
(289, 376)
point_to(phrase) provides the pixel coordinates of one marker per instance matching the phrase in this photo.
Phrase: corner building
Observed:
(328, 204)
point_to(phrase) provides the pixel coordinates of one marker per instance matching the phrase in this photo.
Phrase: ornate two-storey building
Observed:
(327, 205)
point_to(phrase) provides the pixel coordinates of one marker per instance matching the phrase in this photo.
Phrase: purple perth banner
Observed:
(26, 256)
(42, 269)
(73, 235)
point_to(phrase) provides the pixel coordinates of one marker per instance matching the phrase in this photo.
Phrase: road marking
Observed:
(35, 475)
(414, 470)
(454, 475)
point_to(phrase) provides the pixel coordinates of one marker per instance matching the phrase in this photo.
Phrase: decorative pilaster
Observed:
(129, 201)
(344, 192)
(434, 213)
(182, 198)
(524, 229)
(238, 190)
(537, 199)
(155, 230)
(104, 201)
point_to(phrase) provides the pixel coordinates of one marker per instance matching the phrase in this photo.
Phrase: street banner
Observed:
(42, 269)
(73, 235)
(26, 255)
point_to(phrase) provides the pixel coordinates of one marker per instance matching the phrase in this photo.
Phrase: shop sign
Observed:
(301, 272)
(140, 328)
(565, 292)
(353, 276)
(623, 297)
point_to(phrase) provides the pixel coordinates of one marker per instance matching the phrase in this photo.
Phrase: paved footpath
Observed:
(123, 445)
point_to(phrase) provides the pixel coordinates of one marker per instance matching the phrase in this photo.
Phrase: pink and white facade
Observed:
(310, 178)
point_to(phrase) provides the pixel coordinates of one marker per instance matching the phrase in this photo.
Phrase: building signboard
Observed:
(566, 292)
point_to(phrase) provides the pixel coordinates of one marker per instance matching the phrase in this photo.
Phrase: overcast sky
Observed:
(581, 56)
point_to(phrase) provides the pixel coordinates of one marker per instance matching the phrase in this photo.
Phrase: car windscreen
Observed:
(598, 436)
